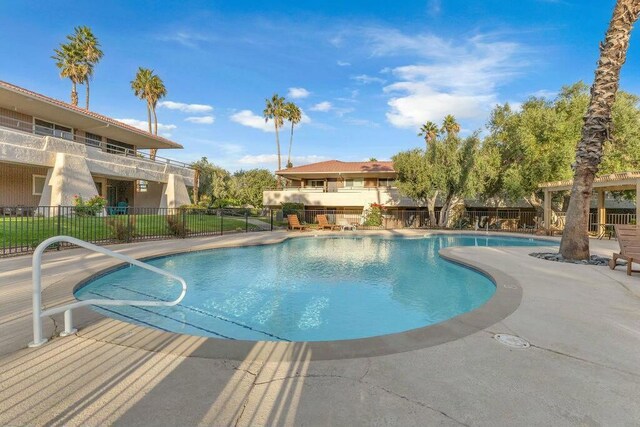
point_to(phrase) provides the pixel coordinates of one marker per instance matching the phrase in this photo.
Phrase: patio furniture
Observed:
(345, 225)
(294, 223)
(324, 224)
(629, 241)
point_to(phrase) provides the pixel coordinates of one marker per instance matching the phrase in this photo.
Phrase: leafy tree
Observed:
(213, 185)
(247, 186)
(294, 116)
(596, 128)
(414, 179)
(275, 110)
(373, 159)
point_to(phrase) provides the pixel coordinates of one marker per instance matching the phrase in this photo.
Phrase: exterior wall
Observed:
(22, 122)
(16, 184)
(150, 198)
(371, 182)
(341, 198)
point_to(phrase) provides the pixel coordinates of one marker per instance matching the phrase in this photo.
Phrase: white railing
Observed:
(38, 313)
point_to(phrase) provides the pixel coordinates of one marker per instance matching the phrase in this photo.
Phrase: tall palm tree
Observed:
(429, 131)
(158, 91)
(275, 111)
(450, 125)
(294, 115)
(69, 60)
(142, 88)
(596, 128)
(89, 48)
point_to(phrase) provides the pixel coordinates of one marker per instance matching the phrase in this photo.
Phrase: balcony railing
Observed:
(32, 128)
(332, 190)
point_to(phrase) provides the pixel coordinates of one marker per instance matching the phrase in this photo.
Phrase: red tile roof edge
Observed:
(86, 112)
(334, 166)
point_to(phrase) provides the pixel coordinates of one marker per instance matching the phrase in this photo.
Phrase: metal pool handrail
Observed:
(38, 313)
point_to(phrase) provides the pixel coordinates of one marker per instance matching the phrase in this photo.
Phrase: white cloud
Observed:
(203, 120)
(361, 122)
(298, 93)
(463, 81)
(186, 38)
(343, 63)
(322, 106)
(544, 93)
(249, 119)
(144, 125)
(365, 79)
(272, 159)
(186, 108)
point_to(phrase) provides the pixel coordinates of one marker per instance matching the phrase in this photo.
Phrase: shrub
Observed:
(373, 215)
(176, 225)
(121, 229)
(292, 209)
(91, 207)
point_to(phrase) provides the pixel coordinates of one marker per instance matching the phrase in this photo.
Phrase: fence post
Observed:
(184, 222)
(221, 222)
(59, 229)
(129, 234)
(271, 217)
(246, 222)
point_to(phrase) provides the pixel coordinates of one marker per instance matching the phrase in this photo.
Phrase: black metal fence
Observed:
(23, 228)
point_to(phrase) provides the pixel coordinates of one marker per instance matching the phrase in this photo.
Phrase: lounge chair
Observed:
(324, 224)
(294, 223)
(345, 225)
(629, 241)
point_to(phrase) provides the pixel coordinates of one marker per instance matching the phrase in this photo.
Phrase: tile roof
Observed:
(82, 111)
(335, 166)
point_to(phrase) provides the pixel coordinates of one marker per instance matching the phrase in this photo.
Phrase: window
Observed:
(316, 183)
(37, 184)
(386, 182)
(93, 139)
(354, 182)
(142, 186)
(42, 127)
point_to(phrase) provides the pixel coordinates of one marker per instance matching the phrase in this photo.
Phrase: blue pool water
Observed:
(305, 289)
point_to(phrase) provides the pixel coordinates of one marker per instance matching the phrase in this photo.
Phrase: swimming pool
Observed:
(306, 289)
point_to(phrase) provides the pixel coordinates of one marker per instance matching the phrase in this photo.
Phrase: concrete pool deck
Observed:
(583, 366)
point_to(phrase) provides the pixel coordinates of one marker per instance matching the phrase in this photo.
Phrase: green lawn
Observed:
(30, 231)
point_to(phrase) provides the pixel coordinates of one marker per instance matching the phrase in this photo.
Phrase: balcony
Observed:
(337, 197)
(66, 134)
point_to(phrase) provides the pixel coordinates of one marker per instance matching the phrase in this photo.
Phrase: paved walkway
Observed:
(583, 367)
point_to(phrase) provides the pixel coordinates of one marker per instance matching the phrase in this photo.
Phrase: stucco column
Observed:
(174, 193)
(69, 177)
(602, 213)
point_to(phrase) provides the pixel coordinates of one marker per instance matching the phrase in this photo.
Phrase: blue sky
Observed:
(365, 73)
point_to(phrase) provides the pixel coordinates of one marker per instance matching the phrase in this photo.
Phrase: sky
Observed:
(366, 74)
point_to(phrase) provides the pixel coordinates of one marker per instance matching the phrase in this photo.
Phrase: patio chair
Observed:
(324, 224)
(294, 223)
(629, 241)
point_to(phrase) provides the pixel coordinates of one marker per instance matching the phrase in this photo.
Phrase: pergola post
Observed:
(602, 213)
(547, 209)
(637, 201)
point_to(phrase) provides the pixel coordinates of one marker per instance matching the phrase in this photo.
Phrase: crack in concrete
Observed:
(571, 356)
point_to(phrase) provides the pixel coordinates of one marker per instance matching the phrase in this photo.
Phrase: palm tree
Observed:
(89, 48)
(275, 110)
(450, 125)
(597, 127)
(69, 60)
(429, 131)
(294, 115)
(141, 86)
(158, 91)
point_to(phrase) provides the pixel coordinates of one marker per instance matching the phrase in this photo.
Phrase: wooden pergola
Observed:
(613, 182)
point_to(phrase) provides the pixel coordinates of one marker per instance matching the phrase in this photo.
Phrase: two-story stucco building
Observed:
(339, 185)
(51, 151)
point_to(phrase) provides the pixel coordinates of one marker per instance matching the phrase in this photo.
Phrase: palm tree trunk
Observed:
(596, 128)
(290, 144)
(74, 94)
(149, 116)
(87, 100)
(279, 161)
(155, 121)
